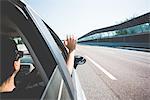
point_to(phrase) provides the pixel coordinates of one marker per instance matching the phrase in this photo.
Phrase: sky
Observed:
(79, 17)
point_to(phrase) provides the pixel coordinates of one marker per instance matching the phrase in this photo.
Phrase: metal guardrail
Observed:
(136, 40)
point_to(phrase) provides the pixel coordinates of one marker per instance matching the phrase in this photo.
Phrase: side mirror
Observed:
(19, 54)
(19, 41)
(79, 60)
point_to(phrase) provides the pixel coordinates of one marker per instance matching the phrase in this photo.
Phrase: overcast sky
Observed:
(82, 16)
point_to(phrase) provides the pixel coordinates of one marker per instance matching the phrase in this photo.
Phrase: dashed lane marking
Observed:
(102, 69)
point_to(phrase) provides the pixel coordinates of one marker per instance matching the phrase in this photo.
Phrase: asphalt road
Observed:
(114, 74)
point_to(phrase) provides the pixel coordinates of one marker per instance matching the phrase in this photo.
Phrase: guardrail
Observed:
(136, 40)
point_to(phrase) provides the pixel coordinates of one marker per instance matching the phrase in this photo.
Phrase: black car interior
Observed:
(27, 83)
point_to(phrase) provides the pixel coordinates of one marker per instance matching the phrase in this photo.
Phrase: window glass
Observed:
(58, 42)
(28, 81)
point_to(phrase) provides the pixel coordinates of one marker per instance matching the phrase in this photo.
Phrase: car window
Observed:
(55, 89)
(58, 41)
(56, 82)
(28, 81)
(28, 78)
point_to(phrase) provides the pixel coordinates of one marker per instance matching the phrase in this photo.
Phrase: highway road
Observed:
(114, 74)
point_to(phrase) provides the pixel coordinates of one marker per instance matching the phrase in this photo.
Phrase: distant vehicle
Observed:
(43, 74)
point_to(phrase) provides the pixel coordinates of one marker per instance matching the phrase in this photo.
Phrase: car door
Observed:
(46, 49)
(42, 47)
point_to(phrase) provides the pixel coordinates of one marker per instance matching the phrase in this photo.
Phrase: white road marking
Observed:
(102, 69)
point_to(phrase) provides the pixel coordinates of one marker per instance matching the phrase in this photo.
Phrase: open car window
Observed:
(58, 41)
